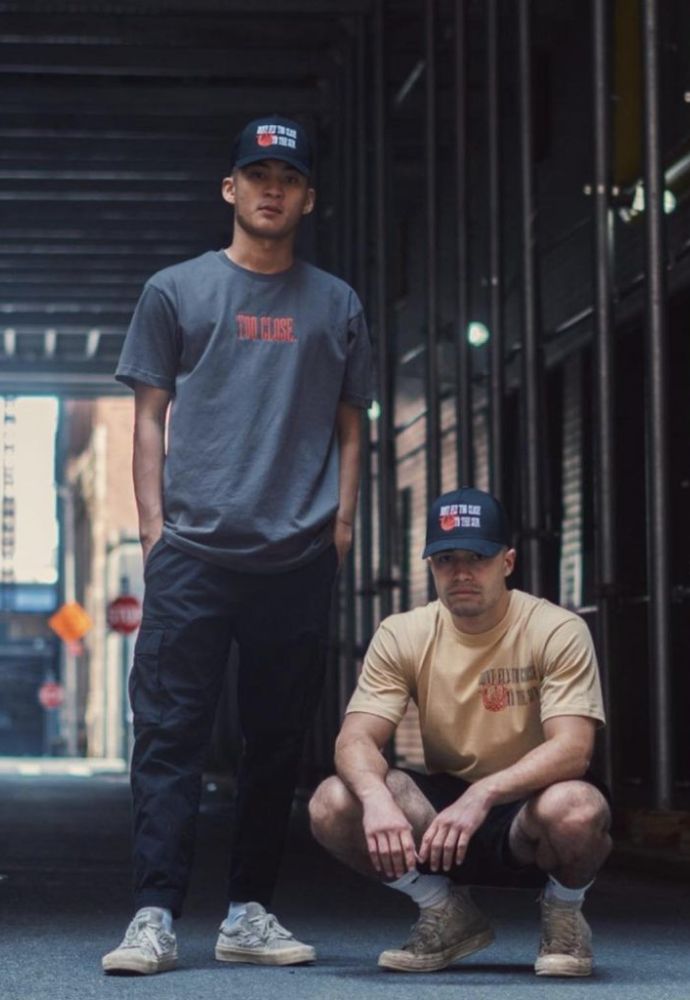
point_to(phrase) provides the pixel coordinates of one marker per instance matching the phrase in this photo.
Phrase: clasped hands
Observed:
(390, 839)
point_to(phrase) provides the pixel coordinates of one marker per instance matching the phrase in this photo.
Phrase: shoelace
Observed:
(561, 928)
(427, 930)
(267, 926)
(141, 931)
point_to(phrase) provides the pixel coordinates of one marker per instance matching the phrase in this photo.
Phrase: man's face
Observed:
(270, 198)
(472, 586)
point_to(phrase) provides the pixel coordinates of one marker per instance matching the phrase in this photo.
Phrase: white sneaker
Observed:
(257, 937)
(147, 946)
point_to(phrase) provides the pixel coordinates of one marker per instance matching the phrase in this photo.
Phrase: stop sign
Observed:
(124, 614)
(51, 694)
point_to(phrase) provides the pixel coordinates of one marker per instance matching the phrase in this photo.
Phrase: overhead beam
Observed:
(102, 98)
(106, 59)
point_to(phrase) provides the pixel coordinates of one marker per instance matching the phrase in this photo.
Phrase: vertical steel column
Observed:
(386, 437)
(658, 572)
(497, 378)
(433, 434)
(463, 383)
(531, 358)
(346, 662)
(366, 587)
(605, 378)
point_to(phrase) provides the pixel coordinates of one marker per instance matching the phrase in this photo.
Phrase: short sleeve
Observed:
(358, 381)
(150, 352)
(570, 679)
(382, 688)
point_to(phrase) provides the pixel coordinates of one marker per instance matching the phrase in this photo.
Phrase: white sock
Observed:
(555, 892)
(425, 890)
(166, 915)
(235, 912)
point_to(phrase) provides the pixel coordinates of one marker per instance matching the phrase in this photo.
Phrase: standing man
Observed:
(259, 366)
(509, 700)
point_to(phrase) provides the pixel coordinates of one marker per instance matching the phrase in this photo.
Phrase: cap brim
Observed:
(478, 545)
(272, 154)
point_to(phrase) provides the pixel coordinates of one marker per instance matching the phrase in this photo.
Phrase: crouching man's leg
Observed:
(449, 926)
(564, 831)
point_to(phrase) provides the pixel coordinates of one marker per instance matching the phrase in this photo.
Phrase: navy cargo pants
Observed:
(193, 610)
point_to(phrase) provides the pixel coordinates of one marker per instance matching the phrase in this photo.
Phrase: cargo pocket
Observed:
(145, 694)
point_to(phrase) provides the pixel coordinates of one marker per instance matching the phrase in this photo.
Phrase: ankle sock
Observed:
(425, 890)
(167, 917)
(235, 912)
(557, 893)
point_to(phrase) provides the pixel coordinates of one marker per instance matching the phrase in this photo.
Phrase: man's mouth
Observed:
(271, 209)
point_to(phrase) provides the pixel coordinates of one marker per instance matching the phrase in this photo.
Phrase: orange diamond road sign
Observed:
(70, 622)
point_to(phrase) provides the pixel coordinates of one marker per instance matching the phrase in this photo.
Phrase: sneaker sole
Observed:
(404, 961)
(288, 956)
(563, 965)
(139, 966)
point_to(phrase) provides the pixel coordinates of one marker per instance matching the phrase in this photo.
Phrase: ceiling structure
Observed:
(115, 129)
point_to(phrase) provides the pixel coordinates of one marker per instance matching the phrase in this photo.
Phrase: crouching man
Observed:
(509, 699)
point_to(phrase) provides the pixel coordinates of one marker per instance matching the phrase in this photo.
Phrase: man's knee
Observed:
(571, 811)
(331, 806)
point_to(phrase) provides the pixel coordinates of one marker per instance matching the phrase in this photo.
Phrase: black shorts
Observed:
(488, 860)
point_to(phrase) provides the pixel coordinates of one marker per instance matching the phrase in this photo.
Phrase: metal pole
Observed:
(605, 380)
(366, 589)
(433, 463)
(531, 358)
(386, 437)
(463, 383)
(658, 573)
(497, 376)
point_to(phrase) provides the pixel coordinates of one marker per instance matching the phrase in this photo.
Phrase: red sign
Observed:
(51, 694)
(124, 614)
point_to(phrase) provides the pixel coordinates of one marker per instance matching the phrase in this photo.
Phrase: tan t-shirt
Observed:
(482, 698)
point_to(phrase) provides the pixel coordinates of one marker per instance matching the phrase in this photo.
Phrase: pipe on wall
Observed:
(657, 465)
(531, 358)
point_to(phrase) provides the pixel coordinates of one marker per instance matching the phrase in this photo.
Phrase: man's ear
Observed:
(509, 562)
(228, 190)
(310, 202)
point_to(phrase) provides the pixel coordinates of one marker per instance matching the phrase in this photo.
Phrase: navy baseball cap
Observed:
(467, 519)
(273, 138)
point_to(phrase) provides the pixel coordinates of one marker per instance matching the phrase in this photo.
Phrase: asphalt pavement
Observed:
(65, 900)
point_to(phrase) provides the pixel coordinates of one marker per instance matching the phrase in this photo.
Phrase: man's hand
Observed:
(388, 835)
(445, 842)
(147, 544)
(342, 538)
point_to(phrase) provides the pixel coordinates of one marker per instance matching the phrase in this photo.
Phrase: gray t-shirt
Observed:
(257, 364)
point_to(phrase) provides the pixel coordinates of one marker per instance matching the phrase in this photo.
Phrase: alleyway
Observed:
(64, 900)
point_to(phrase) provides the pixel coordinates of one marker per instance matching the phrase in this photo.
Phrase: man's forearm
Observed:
(349, 441)
(563, 757)
(147, 468)
(361, 766)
